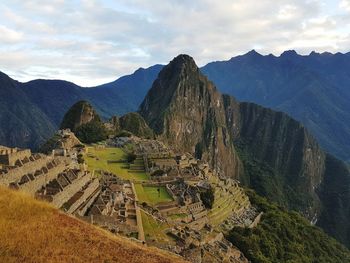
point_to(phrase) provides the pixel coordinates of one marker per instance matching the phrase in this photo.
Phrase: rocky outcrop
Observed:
(86, 124)
(134, 123)
(80, 113)
(184, 109)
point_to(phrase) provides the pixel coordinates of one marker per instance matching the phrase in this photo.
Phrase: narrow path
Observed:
(141, 235)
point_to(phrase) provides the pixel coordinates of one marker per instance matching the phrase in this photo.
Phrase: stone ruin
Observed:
(115, 207)
(59, 180)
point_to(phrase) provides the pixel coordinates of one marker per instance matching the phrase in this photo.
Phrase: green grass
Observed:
(150, 195)
(154, 230)
(100, 158)
(177, 216)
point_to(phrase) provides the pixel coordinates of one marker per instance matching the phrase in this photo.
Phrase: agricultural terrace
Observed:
(99, 158)
(154, 230)
(151, 195)
(113, 160)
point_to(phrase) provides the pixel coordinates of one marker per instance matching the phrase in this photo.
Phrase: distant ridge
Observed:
(31, 112)
(314, 89)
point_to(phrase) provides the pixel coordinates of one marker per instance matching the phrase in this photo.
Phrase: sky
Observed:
(97, 41)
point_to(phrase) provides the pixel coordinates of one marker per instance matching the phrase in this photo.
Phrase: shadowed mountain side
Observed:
(22, 123)
(313, 89)
(32, 111)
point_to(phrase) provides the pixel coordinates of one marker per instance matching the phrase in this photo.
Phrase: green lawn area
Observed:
(96, 159)
(150, 195)
(154, 230)
(177, 216)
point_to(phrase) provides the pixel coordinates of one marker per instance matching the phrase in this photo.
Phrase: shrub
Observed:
(207, 197)
(91, 132)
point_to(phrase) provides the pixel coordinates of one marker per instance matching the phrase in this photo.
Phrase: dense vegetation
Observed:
(334, 193)
(284, 236)
(91, 132)
(270, 182)
(135, 124)
(207, 197)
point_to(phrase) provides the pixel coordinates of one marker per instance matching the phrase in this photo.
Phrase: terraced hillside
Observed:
(228, 200)
(33, 231)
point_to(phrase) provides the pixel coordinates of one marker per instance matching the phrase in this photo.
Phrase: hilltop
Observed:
(33, 231)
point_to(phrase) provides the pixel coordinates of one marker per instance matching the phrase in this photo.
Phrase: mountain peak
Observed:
(289, 53)
(183, 61)
(253, 53)
(182, 74)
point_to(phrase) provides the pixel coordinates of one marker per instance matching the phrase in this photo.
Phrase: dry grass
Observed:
(33, 231)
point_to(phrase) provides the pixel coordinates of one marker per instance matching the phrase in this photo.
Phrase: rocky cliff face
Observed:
(281, 160)
(184, 109)
(80, 113)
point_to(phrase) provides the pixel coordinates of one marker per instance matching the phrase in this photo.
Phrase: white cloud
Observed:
(91, 42)
(9, 36)
(345, 4)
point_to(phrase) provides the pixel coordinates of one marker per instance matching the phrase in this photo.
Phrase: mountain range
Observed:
(266, 150)
(313, 89)
(32, 111)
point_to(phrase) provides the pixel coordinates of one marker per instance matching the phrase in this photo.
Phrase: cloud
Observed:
(95, 41)
(9, 36)
(345, 4)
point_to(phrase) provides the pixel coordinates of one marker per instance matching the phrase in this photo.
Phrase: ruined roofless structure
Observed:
(56, 179)
(9, 156)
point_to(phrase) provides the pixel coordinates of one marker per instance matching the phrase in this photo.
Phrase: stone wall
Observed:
(16, 174)
(88, 204)
(32, 186)
(60, 198)
(10, 156)
(89, 191)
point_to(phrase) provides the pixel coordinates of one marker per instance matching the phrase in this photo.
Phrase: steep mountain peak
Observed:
(185, 110)
(182, 64)
(181, 78)
(183, 59)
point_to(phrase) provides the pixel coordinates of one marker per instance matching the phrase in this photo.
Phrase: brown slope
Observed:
(33, 231)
